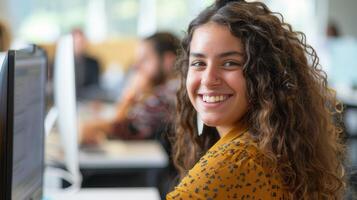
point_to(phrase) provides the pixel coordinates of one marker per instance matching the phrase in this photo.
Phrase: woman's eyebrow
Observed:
(230, 53)
(198, 55)
(224, 54)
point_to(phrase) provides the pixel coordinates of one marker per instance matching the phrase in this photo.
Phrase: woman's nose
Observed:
(211, 76)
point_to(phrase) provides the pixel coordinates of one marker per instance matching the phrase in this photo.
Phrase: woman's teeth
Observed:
(214, 99)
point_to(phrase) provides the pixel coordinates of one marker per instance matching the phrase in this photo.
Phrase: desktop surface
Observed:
(126, 154)
(112, 154)
(108, 194)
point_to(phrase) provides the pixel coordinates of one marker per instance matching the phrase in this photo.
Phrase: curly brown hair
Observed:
(293, 115)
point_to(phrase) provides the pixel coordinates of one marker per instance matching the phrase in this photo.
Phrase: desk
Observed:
(108, 194)
(126, 154)
(122, 164)
(115, 154)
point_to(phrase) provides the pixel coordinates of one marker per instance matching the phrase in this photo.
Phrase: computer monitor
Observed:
(65, 104)
(22, 110)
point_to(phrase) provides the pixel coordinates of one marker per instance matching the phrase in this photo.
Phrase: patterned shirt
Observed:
(149, 115)
(233, 168)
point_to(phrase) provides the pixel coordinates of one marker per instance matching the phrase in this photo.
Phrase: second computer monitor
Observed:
(23, 80)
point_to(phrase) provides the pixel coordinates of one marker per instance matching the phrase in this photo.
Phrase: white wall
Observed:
(344, 13)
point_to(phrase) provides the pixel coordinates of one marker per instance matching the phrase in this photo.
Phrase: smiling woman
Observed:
(271, 123)
(215, 82)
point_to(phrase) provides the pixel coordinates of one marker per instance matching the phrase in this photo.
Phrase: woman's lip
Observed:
(214, 94)
(213, 104)
(226, 96)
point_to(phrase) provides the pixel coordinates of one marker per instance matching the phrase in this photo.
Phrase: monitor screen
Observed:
(26, 79)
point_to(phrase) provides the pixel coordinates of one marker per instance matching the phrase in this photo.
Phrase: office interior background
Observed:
(123, 22)
(114, 28)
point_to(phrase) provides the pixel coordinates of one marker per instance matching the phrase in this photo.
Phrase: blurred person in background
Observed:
(148, 100)
(87, 68)
(332, 30)
(5, 37)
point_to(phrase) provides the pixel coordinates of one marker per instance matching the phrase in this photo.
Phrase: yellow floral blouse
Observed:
(233, 168)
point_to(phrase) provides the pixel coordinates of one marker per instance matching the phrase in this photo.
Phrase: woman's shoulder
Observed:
(232, 170)
(238, 151)
(236, 157)
(236, 148)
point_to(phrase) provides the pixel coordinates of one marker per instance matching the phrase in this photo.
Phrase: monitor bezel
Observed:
(7, 144)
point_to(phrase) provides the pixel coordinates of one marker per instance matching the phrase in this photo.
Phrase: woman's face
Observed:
(215, 82)
(147, 60)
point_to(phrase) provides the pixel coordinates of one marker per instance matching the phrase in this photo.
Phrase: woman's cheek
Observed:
(192, 84)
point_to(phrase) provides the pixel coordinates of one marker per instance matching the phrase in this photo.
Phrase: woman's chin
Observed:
(211, 122)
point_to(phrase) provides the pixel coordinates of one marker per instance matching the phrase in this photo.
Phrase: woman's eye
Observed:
(197, 64)
(231, 64)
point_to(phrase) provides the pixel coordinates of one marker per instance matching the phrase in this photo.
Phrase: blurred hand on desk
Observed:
(94, 133)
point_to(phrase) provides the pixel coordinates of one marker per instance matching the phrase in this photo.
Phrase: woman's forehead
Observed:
(214, 38)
